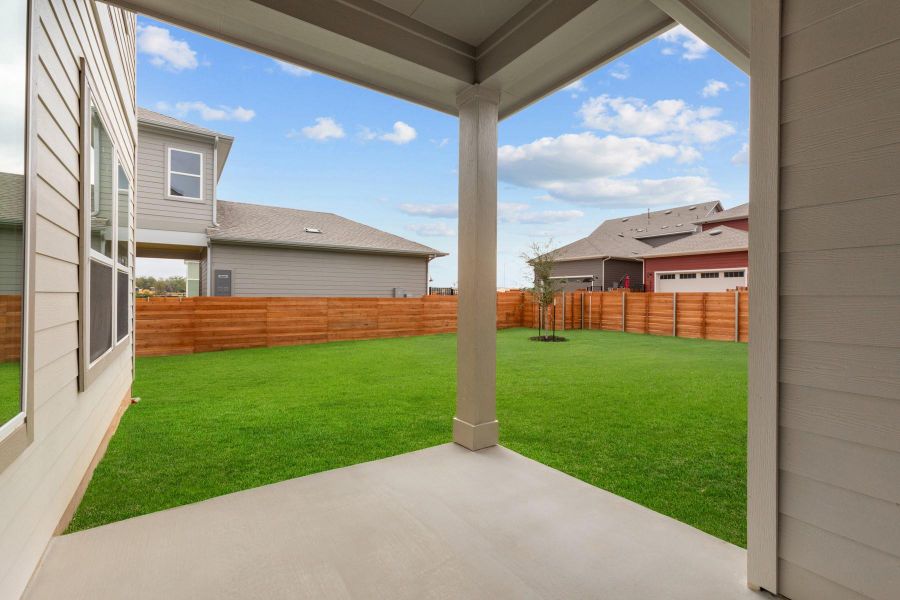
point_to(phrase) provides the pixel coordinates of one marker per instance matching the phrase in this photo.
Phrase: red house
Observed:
(715, 259)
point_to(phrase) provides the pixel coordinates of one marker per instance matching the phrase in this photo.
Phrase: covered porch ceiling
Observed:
(429, 51)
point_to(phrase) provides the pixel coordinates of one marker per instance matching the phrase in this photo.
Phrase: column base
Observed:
(475, 437)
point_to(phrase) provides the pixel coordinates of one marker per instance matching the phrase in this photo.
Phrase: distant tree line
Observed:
(167, 285)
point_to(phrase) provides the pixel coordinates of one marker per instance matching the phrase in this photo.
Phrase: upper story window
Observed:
(185, 174)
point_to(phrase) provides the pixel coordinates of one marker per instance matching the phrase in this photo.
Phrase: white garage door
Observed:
(701, 281)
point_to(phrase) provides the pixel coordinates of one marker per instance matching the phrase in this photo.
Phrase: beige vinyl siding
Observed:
(268, 271)
(68, 426)
(839, 371)
(155, 209)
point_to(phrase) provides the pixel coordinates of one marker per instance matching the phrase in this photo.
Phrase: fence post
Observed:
(564, 311)
(737, 322)
(582, 310)
(590, 308)
(674, 314)
(624, 294)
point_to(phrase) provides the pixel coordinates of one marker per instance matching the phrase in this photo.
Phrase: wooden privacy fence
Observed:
(187, 325)
(707, 315)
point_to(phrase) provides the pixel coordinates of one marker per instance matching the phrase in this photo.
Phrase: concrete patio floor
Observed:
(439, 523)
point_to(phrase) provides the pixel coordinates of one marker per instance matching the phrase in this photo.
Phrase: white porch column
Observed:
(475, 424)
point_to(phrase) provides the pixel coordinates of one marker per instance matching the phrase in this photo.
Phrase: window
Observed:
(687, 276)
(192, 282)
(123, 255)
(106, 226)
(667, 276)
(185, 174)
(709, 275)
(102, 236)
(734, 273)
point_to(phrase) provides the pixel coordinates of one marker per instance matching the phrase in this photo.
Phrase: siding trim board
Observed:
(762, 396)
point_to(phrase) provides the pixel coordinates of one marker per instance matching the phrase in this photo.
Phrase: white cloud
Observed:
(515, 212)
(586, 169)
(441, 142)
(577, 156)
(621, 71)
(688, 154)
(609, 192)
(430, 210)
(208, 113)
(713, 87)
(365, 134)
(576, 86)
(401, 134)
(293, 70)
(742, 156)
(669, 120)
(679, 39)
(165, 51)
(432, 229)
(324, 129)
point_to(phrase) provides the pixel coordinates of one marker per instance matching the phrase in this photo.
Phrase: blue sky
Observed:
(664, 125)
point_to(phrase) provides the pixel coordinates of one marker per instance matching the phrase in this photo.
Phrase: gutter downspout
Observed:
(603, 274)
(209, 268)
(215, 180)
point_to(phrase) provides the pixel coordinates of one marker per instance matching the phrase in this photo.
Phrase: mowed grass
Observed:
(660, 421)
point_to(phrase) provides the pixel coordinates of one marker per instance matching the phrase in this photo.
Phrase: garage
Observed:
(717, 280)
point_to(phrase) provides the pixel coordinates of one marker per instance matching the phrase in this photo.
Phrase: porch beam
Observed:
(475, 424)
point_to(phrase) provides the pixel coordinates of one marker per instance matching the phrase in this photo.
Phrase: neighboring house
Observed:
(737, 217)
(612, 253)
(713, 260)
(239, 249)
(271, 251)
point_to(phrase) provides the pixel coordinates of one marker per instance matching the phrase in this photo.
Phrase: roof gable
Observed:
(240, 222)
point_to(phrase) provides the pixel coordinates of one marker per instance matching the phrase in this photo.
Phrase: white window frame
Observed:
(169, 172)
(120, 268)
(89, 369)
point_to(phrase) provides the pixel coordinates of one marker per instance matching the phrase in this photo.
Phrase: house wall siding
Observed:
(722, 260)
(662, 240)
(742, 224)
(839, 396)
(615, 270)
(268, 271)
(155, 210)
(68, 425)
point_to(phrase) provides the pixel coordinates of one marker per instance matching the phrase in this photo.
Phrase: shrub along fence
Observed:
(187, 325)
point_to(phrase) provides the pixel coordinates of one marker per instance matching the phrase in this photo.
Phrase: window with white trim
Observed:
(185, 174)
(687, 276)
(667, 276)
(734, 273)
(713, 275)
(106, 237)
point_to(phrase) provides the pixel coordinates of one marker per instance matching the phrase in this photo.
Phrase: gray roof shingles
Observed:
(620, 237)
(150, 117)
(741, 211)
(240, 222)
(717, 239)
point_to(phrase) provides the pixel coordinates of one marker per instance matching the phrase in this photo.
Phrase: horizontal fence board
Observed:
(188, 325)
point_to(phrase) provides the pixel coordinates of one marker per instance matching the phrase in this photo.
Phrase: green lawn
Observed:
(10, 392)
(661, 421)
